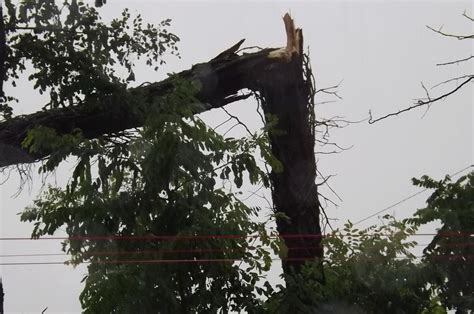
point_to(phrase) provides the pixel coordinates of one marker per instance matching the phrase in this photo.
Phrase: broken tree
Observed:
(277, 74)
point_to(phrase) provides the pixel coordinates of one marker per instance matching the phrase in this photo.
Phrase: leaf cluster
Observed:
(71, 54)
(364, 271)
(373, 270)
(451, 251)
(161, 180)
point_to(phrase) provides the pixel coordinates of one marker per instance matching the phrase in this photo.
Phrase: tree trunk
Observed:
(286, 95)
(275, 73)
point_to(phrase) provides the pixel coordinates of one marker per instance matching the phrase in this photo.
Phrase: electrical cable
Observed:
(405, 199)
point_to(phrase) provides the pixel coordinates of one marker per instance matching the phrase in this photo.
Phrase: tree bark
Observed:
(286, 96)
(219, 80)
(275, 73)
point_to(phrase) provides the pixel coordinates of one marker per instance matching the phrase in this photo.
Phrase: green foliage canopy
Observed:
(70, 53)
(373, 270)
(159, 180)
(165, 179)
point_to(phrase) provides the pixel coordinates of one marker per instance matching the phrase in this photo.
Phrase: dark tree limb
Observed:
(219, 79)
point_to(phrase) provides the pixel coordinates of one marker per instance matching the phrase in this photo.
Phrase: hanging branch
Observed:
(219, 79)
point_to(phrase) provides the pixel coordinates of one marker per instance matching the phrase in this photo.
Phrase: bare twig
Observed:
(221, 124)
(459, 37)
(7, 175)
(325, 102)
(327, 200)
(258, 97)
(452, 80)
(331, 90)
(325, 180)
(327, 153)
(230, 129)
(467, 16)
(253, 193)
(327, 184)
(420, 102)
(238, 121)
(428, 98)
(326, 218)
(455, 61)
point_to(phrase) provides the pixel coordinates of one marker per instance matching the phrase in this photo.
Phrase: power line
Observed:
(157, 261)
(174, 251)
(452, 233)
(202, 237)
(457, 258)
(406, 199)
(161, 237)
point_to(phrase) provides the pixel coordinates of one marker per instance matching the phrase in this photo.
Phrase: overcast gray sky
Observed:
(381, 50)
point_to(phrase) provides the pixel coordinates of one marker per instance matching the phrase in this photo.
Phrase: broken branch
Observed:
(420, 103)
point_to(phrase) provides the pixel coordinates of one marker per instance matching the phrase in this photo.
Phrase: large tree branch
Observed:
(219, 81)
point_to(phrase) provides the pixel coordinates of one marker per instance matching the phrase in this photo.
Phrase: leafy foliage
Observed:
(373, 270)
(365, 271)
(451, 251)
(73, 54)
(160, 181)
(139, 202)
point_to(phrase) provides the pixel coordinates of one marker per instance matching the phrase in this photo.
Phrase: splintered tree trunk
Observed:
(275, 73)
(286, 97)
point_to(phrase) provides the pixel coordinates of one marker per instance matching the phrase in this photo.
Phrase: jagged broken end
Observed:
(294, 41)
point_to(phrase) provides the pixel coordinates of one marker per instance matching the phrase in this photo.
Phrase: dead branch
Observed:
(455, 61)
(331, 90)
(220, 80)
(420, 102)
(428, 101)
(231, 116)
(459, 37)
(454, 79)
(468, 17)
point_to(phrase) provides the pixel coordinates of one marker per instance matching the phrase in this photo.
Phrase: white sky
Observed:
(382, 50)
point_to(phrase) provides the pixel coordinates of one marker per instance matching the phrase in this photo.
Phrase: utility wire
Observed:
(452, 233)
(174, 251)
(456, 258)
(162, 237)
(406, 199)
